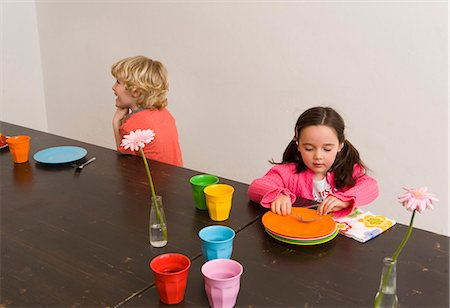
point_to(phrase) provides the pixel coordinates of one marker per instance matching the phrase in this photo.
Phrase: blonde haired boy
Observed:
(141, 88)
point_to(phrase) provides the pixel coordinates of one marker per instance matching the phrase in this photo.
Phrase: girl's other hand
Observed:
(331, 204)
(281, 205)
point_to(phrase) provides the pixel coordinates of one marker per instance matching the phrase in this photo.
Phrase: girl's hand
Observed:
(281, 205)
(332, 204)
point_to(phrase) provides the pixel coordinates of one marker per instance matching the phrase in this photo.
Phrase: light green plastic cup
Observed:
(198, 183)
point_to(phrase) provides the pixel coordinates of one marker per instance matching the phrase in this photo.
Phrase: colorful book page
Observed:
(363, 226)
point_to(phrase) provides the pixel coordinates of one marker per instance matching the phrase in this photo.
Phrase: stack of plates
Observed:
(291, 230)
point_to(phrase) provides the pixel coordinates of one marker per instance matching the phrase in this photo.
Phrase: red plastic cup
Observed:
(171, 272)
(19, 147)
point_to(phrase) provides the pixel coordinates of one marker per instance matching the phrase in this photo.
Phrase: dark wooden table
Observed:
(81, 239)
(341, 273)
(72, 239)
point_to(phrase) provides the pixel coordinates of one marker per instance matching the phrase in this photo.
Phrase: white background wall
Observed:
(22, 99)
(241, 73)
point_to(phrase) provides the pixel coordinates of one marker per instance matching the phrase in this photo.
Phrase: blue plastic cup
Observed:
(217, 242)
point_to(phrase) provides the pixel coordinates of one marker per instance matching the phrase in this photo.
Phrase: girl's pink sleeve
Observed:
(266, 189)
(363, 192)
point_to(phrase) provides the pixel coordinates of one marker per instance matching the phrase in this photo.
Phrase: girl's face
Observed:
(318, 145)
(124, 98)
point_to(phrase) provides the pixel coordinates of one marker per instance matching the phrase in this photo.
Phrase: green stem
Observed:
(152, 188)
(405, 239)
(394, 259)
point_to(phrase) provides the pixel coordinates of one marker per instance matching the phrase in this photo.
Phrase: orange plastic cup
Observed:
(171, 272)
(19, 147)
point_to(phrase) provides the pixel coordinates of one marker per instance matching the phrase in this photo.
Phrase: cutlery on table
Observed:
(80, 167)
(300, 218)
(315, 205)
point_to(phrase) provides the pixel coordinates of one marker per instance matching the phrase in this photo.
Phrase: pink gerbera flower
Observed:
(417, 199)
(137, 139)
(413, 200)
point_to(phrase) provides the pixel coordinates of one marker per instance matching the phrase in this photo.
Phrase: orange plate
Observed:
(290, 225)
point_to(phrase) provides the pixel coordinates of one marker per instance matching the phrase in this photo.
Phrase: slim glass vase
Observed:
(387, 293)
(157, 224)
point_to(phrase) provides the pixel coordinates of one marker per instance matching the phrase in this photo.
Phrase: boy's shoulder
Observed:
(152, 113)
(148, 117)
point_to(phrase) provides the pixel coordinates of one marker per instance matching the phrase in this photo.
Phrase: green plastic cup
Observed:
(198, 183)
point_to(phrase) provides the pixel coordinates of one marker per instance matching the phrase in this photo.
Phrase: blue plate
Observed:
(60, 155)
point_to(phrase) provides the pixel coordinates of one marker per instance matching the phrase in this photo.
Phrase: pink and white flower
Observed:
(413, 200)
(417, 199)
(137, 139)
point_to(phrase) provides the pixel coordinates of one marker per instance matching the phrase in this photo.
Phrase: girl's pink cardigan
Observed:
(284, 179)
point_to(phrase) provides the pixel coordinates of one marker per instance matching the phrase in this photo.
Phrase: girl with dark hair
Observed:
(320, 164)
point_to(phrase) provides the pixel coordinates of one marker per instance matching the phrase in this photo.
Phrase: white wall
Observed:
(241, 74)
(22, 96)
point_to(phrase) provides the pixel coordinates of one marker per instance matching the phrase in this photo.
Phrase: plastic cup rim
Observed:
(209, 263)
(165, 255)
(17, 139)
(204, 229)
(208, 188)
(216, 179)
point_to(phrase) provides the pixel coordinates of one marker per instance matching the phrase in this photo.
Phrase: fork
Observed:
(305, 220)
(80, 167)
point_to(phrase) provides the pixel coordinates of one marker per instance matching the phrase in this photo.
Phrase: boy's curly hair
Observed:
(146, 76)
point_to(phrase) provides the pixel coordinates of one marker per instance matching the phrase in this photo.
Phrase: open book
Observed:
(363, 226)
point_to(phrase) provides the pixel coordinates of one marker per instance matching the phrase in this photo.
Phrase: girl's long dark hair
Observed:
(345, 159)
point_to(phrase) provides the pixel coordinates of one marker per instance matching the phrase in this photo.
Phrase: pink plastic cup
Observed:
(222, 281)
(171, 272)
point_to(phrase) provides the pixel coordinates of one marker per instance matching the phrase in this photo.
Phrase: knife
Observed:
(306, 207)
(305, 203)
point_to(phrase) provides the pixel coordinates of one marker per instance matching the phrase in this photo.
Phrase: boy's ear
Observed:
(135, 93)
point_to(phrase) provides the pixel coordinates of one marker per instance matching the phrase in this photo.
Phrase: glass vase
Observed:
(387, 293)
(157, 224)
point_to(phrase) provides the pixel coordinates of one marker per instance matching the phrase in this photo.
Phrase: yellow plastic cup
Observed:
(19, 147)
(218, 201)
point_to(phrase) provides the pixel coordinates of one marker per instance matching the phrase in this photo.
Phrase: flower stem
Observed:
(394, 259)
(405, 239)
(152, 188)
